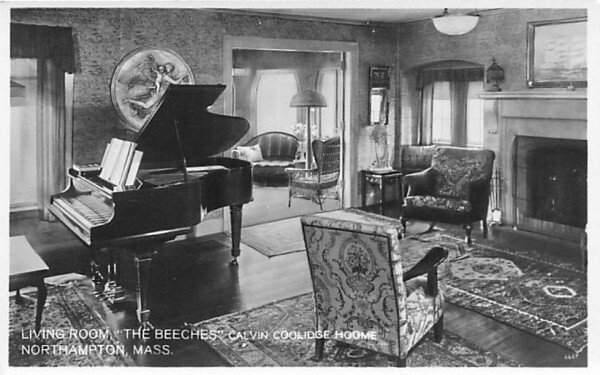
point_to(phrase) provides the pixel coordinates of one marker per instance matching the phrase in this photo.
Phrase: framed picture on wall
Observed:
(556, 53)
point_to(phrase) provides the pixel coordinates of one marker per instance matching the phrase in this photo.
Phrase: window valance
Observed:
(43, 42)
(449, 71)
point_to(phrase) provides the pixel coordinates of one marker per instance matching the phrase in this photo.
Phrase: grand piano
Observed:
(178, 182)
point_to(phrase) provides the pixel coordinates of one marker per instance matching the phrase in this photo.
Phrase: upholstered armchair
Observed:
(320, 182)
(360, 287)
(455, 189)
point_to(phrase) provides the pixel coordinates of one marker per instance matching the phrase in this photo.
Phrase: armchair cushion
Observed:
(250, 153)
(442, 203)
(272, 163)
(422, 310)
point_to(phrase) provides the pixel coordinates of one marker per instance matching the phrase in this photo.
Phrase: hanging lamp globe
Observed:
(454, 24)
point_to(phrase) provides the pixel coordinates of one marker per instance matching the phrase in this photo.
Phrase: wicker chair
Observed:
(321, 182)
(359, 286)
(455, 189)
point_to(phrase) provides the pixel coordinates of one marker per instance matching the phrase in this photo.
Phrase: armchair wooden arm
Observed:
(428, 265)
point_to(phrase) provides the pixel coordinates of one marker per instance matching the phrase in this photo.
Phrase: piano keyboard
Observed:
(87, 209)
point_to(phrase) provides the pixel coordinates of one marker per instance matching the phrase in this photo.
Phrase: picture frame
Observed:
(556, 53)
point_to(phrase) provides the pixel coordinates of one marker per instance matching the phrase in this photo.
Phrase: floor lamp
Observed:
(308, 98)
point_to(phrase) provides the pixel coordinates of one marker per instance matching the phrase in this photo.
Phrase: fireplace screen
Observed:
(551, 180)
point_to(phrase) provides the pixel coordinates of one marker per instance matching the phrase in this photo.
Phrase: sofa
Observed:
(269, 153)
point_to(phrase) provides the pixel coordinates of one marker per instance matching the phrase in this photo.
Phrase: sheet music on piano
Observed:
(120, 164)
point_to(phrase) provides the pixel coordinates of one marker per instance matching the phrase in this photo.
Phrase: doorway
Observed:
(261, 77)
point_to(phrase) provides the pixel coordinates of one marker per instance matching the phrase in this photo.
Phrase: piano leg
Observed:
(236, 232)
(105, 275)
(113, 291)
(96, 269)
(143, 262)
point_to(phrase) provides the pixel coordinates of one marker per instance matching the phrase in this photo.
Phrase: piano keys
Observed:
(180, 180)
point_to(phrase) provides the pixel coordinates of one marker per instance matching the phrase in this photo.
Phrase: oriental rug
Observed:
(532, 291)
(281, 325)
(72, 333)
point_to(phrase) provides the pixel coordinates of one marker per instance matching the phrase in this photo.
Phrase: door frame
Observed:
(351, 74)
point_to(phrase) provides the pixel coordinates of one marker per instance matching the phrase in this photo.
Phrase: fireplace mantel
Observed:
(577, 95)
(534, 113)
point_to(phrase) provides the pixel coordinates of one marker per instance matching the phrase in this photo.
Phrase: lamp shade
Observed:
(308, 98)
(454, 24)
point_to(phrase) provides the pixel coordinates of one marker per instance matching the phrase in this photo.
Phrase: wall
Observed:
(104, 36)
(502, 35)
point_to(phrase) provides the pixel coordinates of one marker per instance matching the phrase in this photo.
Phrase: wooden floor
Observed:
(193, 282)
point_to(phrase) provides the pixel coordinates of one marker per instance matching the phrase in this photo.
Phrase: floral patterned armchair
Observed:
(320, 182)
(455, 189)
(360, 287)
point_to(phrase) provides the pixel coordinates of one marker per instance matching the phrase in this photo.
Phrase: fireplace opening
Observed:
(551, 181)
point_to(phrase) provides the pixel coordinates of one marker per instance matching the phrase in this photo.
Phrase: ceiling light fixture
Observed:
(454, 24)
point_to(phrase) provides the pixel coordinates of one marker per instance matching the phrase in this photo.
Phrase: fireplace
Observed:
(550, 183)
(540, 140)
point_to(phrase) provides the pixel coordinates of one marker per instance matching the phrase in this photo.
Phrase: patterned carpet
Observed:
(534, 292)
(296, 314)
(90, 344)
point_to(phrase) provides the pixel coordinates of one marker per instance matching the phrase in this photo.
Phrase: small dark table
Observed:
(27, 269)
(387, 181)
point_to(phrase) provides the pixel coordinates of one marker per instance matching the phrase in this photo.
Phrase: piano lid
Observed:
(183, 110)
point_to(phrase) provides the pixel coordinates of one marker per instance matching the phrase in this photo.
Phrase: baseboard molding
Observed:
(20, 207)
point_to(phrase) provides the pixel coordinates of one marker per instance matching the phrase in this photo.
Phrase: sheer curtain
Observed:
(53, 49)
(445, 102)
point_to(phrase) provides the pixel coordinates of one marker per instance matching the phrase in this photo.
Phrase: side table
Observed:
(27, 269)
(387, 181)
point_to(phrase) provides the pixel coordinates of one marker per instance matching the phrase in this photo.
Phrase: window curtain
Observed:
(459, 78)
(53, 49)
(425, 136)
(458, 107)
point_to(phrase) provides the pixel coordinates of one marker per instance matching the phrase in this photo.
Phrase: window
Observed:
(274, 91)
